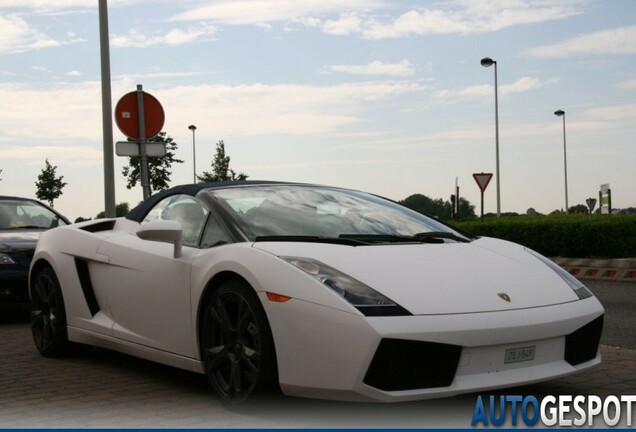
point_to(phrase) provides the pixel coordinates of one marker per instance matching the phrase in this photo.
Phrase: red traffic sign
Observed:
(482, 180)
(127, 115)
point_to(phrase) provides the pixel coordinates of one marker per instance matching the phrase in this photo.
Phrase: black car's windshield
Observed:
(302, 211)
(19, 214)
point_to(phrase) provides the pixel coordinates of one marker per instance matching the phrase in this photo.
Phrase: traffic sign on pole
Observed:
(127, 116)
(591, 203)
(140, 117)
(482, 180)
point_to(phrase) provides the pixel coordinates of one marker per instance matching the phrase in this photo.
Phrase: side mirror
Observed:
(163, 231)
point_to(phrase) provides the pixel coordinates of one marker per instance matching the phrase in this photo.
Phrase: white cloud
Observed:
(69, 155)
(403, 68)
(346, 24)
(74, 73)
(359, 16)
(618, 41)
(136, 39)
(48, 6)
(285, 109)
(626, 112)
(235, 12)
(68, 115)
(523, 84)
(50, 113)
(45, 4)
(466, 17)
(628, 85)
(17, 35)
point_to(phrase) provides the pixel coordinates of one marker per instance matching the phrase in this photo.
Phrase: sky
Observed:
(383, 96)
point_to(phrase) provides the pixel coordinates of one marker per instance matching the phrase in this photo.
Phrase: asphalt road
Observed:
(619, 300)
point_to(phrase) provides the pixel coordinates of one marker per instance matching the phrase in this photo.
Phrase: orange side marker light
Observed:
(278, 298)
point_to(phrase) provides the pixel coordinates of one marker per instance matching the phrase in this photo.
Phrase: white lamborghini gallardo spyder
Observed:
(311, 290)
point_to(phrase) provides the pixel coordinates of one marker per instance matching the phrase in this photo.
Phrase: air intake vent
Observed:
(106, 225)
(407, 365)
(87, 286)
(582, 345)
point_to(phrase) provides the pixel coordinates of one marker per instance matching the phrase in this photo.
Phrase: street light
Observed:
(487, 62)
(561, 113)
(194, 153)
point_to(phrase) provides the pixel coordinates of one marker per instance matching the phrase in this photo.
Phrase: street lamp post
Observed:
(487, 62)
(194, 153)
(561, 113)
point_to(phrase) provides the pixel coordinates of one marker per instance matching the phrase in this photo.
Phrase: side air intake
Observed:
(582, 345)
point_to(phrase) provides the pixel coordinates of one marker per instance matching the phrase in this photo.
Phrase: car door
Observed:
(148, 289)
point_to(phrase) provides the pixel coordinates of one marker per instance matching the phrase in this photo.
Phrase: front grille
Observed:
(582, 345)
(408, 365)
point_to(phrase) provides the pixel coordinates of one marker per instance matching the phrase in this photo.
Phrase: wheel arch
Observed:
(36, 267)
(212, 285)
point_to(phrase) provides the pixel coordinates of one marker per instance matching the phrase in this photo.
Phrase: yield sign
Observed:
(482, 180)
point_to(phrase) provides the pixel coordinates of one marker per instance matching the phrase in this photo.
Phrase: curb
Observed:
(623, 270)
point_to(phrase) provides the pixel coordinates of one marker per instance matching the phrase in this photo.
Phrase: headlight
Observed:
(361, 296)
(6, 259)
(577, 286)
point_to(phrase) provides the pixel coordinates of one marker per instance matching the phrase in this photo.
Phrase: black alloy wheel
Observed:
(48, 317)
(236, 343)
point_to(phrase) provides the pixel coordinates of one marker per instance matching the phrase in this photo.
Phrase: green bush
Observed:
(573, 236)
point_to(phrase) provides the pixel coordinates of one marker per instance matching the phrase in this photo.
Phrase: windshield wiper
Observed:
(366, 239)
(310, 239)
(379, 238)
(424, 237)
(439, 235)
(24, 227)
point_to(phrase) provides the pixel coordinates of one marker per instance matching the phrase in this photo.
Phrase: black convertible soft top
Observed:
(138, 213)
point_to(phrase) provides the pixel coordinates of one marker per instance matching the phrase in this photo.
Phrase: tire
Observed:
(237, 347)
(48, 316)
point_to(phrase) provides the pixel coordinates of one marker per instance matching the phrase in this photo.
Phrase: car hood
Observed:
(19, 239)
(480, 276)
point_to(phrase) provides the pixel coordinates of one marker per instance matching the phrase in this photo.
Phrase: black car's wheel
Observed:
(236, 343)
(48, 318)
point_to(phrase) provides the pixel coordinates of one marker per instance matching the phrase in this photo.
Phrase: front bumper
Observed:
(328, 354)
(14, 285)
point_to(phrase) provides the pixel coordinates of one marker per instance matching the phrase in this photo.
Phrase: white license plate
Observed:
(516, 355)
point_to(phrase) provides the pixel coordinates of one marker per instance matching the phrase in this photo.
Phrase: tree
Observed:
(121, 210)
(466, 209)
(158, 167)
(221, 170)
(49, 186)
(438, 207)
(579, 209)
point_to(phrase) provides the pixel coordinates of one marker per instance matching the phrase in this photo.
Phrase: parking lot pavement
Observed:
(103, 389)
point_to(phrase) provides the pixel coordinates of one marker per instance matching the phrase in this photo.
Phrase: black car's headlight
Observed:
(361, 296)
(6, 259)
(577, 286)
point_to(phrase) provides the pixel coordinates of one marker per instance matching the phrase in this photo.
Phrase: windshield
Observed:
(18, 214)
(294, 210)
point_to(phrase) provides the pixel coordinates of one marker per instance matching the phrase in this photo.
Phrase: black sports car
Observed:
(22, 220)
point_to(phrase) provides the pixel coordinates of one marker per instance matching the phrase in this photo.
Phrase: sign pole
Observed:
(107, 122)
(145, 184)
(482, 205)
